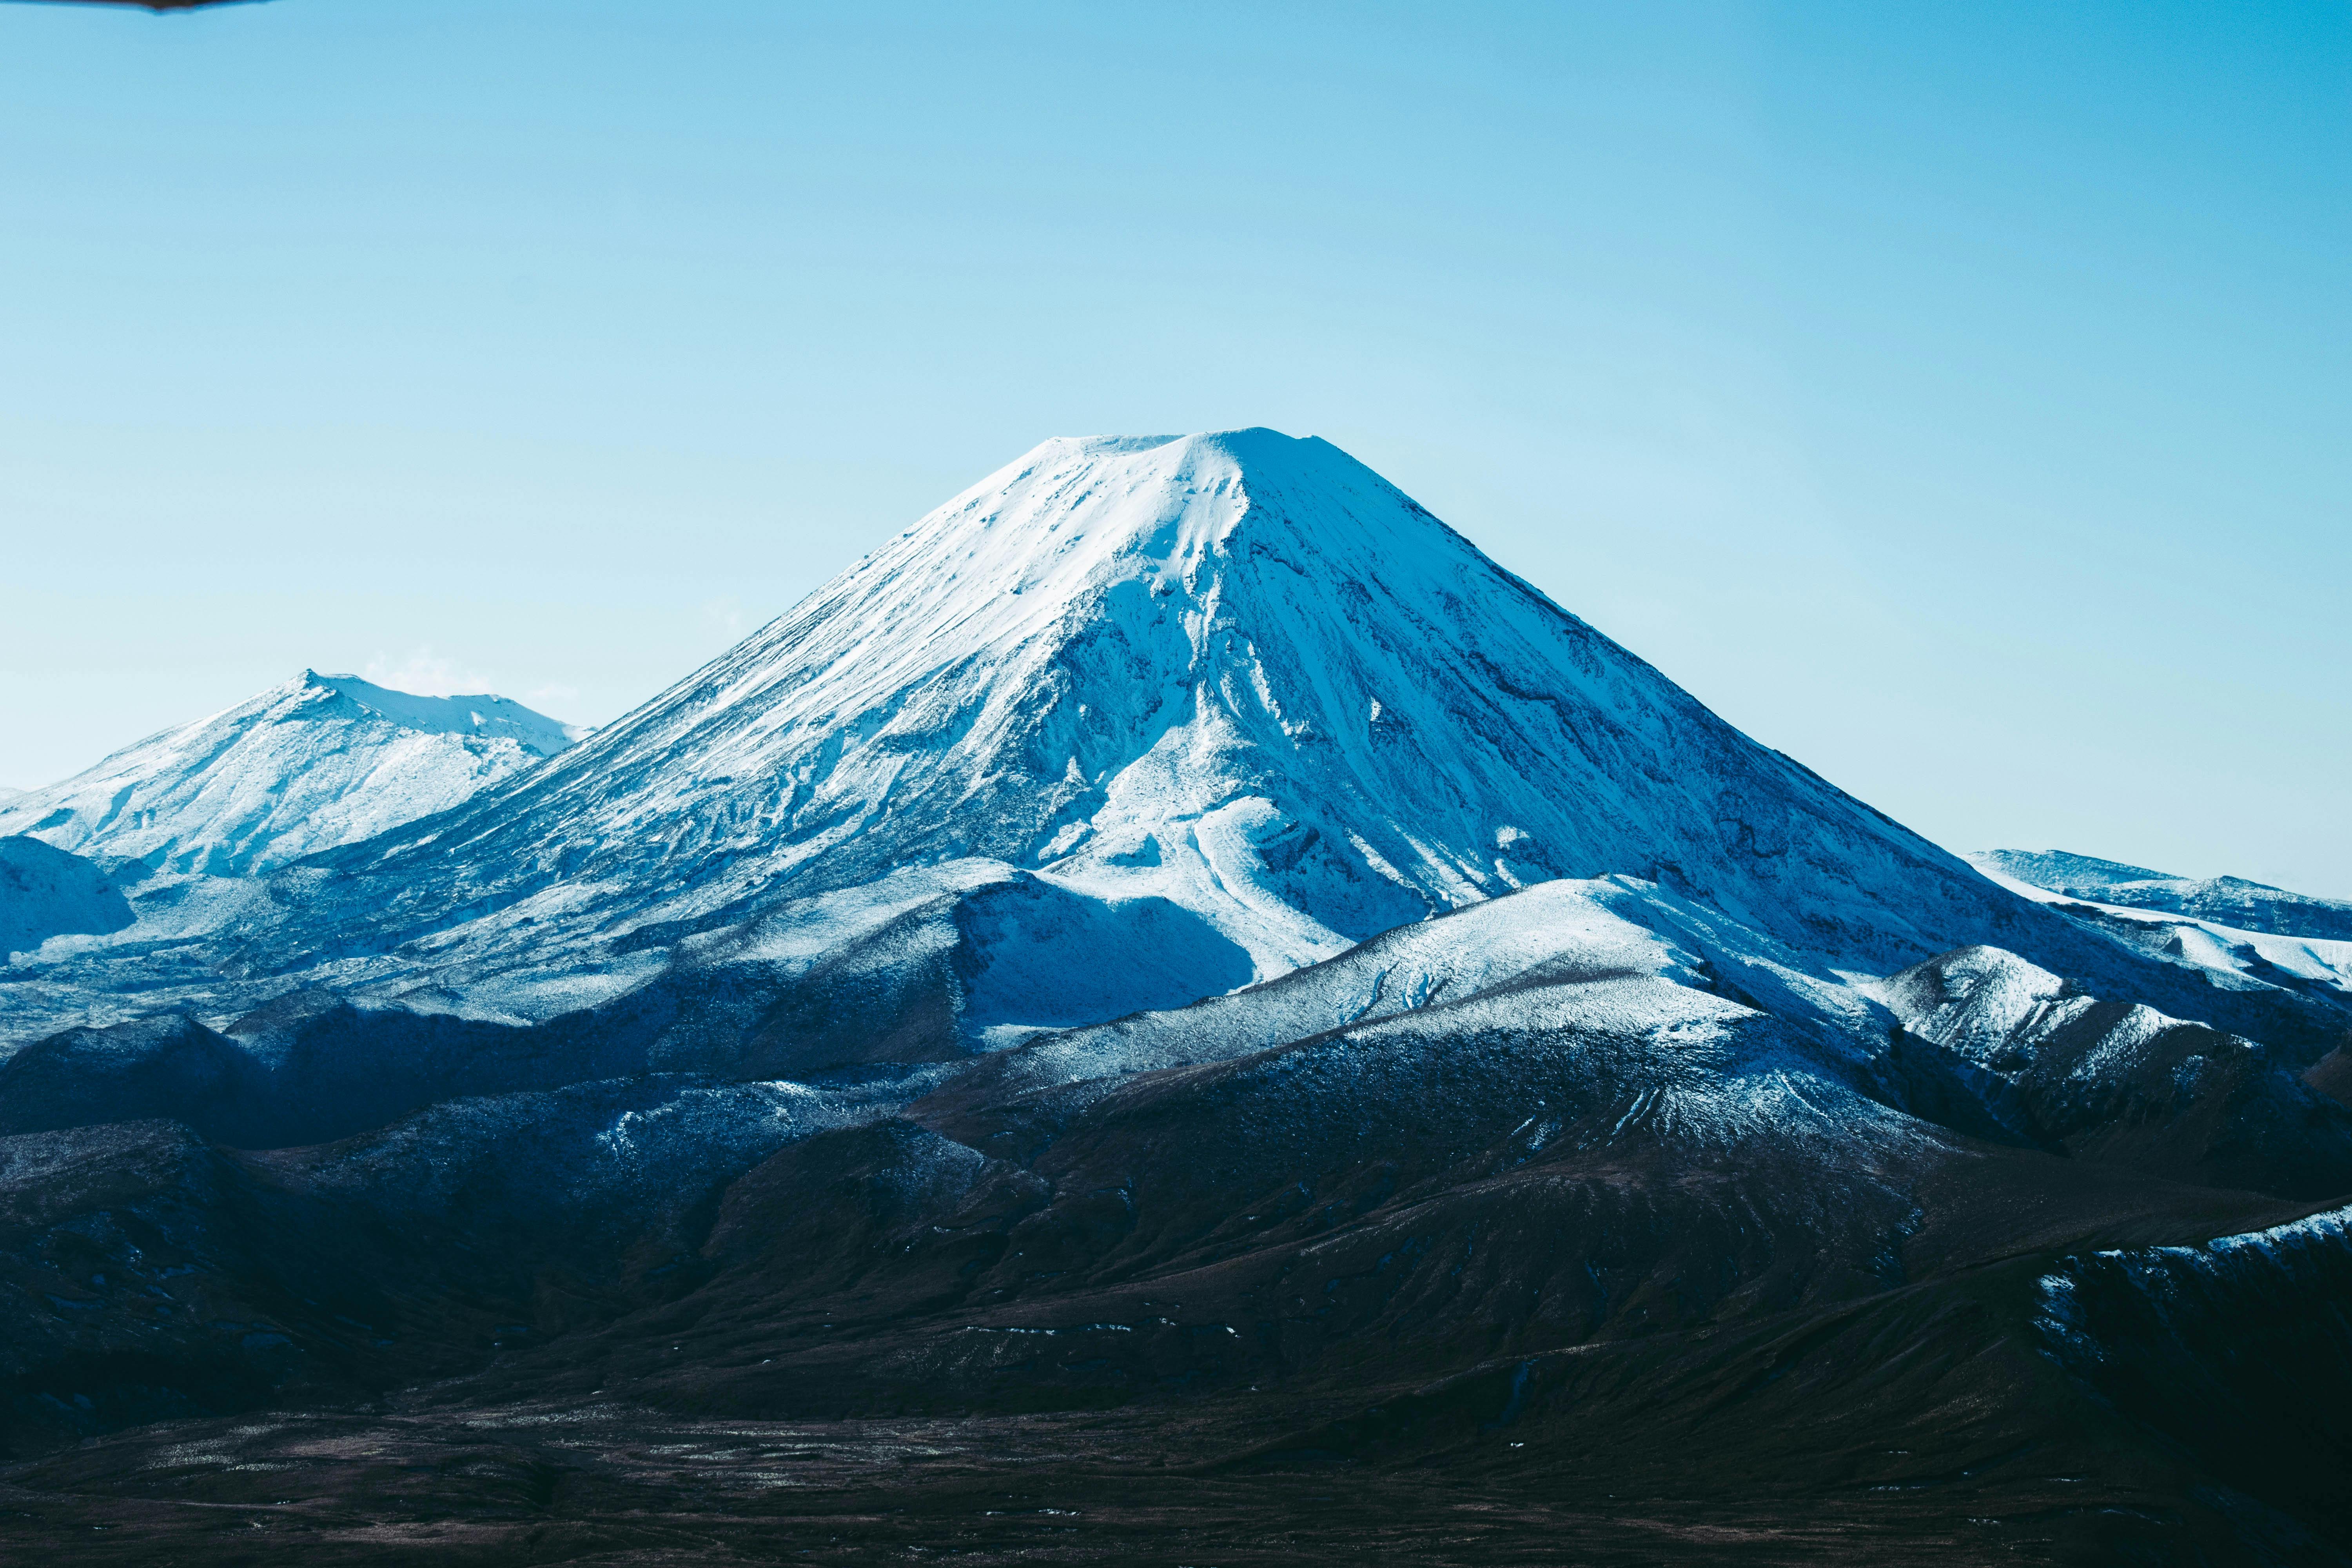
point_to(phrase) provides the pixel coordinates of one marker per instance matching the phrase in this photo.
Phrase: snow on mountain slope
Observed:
(318, 760)
(2057, 1064)
(1560, 933)
(2062, 870)
(1237, 672)
(2231, 902)
(1999, 1012)
(2232, 956)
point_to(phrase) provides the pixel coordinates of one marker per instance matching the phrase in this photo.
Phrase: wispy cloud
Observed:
(726, 614)
(427, 674)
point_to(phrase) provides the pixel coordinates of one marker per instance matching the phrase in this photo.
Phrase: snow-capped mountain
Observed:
(318, 761)
(1131, 722)
(1237, 675)
(1177, 922)
(2226, 900)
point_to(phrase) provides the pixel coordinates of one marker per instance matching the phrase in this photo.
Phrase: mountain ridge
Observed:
(2227, 900)
(311, 763)
(1229, 693)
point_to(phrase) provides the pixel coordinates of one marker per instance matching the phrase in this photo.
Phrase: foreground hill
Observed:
(1581, 1204)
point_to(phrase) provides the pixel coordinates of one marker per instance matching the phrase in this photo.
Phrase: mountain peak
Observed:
(312, 762)
(1078, 512)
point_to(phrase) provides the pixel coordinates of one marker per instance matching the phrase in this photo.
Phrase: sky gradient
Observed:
(1954, 400)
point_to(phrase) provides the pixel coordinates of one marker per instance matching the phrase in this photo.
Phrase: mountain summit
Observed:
(314, 761)
(1236, 673)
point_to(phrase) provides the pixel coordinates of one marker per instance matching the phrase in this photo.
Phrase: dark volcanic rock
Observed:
(133, 1287)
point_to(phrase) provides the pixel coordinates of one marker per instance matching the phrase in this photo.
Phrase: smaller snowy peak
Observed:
(315, 762)
(1977, 1000)
(2231, 902)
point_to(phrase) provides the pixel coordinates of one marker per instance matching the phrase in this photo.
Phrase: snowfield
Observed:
(2243, 955)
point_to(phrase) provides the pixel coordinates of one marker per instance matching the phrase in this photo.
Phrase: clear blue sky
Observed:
(1954, 397)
